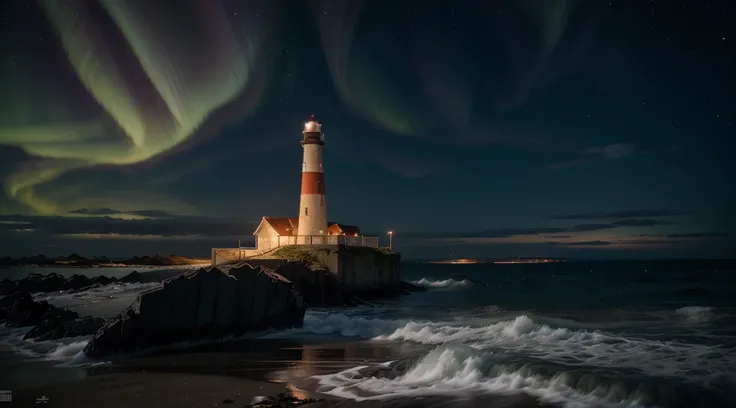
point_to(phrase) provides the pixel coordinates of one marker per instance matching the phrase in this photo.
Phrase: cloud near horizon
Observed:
(156, 230)
(621, 214)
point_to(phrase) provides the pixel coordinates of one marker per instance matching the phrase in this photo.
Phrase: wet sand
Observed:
(123, 390)
(232, 375)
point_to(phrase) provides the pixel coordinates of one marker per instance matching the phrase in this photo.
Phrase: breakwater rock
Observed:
(51, 322)
(77, 261)
(54, 282)
(207, 303)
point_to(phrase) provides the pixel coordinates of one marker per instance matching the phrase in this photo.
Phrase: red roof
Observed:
(285, 226)
(337, 228)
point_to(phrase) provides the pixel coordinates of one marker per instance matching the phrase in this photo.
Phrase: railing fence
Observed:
(327, 240)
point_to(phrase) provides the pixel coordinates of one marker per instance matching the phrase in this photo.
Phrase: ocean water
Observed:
(576, 334)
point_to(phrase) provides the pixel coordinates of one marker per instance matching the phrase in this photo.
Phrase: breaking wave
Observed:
(460, 370)
(445, 284)
(66, 351)
(692, 363)
(695, 313)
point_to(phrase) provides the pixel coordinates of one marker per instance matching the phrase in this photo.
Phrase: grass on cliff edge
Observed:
(317, 258)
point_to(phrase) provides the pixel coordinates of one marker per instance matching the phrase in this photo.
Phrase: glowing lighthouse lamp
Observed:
(312, 206)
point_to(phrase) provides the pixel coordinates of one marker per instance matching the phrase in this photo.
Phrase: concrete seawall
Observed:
(332, 274)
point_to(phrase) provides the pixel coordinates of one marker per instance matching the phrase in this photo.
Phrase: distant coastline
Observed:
(78, 261)
(497, 261)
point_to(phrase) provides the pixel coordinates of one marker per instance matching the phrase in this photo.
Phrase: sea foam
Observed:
(460, 371)
(695, 363)
(444, 284)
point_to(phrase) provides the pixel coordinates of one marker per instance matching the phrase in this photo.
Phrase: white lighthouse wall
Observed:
(312, 158)
(312, 215)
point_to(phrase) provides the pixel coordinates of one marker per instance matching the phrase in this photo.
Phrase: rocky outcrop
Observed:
(207, 303)
(20, 310)
(54, 282)
(51, 322)
(76, 260)
(55, 327)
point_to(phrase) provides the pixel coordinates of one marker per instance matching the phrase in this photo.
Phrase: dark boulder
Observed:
(7, 286)
(102, 280)
(51, 320)
(83, 326)
(38, 282)
(207, 303)
(76, 282)
(133, 277)
(19, 309)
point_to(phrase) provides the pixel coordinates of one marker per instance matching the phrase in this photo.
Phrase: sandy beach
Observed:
(123, 390)
(235, 375)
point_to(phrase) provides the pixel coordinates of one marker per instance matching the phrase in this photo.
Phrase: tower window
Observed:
(306, 210)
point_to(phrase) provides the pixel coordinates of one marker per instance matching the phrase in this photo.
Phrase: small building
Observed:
(274, 232)
(342, 229)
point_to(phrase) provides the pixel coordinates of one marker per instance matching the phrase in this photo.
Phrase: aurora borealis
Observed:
(472, 129)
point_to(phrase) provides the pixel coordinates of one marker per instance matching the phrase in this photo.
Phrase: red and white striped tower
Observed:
(312, 207)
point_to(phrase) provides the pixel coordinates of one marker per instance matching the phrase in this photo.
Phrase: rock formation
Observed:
(207, 303)
(20, 310)
(54, 282)
(76, 260)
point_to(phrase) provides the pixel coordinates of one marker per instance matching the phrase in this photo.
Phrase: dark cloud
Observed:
(694, 235)
(612, 151)
(110, 211)
(645, 222)
(171, 226)
(592, 155)
(509, 232)
(699, 235)
(150, 213)
(586, 243)
(620, 214)
(591, 227)
(646, 242)
(498, 233)
(95, 211)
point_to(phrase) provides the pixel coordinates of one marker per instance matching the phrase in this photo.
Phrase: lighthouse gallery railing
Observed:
(327, 240)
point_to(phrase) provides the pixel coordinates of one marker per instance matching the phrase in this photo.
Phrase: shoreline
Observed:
(65, 266)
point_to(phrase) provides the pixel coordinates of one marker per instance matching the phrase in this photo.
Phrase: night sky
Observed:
(581, 129)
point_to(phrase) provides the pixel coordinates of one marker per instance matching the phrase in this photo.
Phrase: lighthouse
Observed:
(312, 206)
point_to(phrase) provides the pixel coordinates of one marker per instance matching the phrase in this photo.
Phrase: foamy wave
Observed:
(696, 313)
(522, 335)
(112, 290)
(67, 351)
(461, 370)
(446, 284)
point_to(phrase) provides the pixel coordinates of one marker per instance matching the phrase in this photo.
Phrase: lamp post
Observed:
(390, 243)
